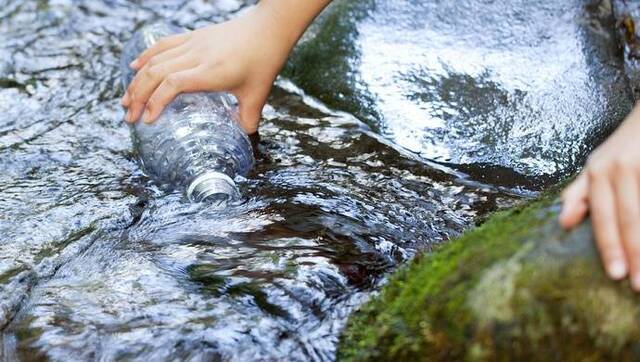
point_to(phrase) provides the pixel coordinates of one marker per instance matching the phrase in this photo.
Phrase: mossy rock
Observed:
(517, 287)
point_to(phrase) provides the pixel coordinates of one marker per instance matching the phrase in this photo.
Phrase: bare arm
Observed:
(242, 56)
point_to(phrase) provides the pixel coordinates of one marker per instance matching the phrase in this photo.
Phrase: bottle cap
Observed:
(212, 186)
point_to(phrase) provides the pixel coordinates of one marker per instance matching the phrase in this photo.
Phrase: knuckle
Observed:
(151, 104)
(147, 72)
(173, 81)
(632, 246)
(152, 72)
(153, 61)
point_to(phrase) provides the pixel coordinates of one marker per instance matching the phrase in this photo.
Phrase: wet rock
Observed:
(513, 92)
(516, 288)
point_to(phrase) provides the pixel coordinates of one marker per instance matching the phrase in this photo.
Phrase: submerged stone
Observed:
(511, 92)
(518, 287)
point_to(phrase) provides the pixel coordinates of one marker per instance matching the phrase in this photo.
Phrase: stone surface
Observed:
(516, 288)
(503, 90)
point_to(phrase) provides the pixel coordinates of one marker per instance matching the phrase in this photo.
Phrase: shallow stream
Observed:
(97, 263)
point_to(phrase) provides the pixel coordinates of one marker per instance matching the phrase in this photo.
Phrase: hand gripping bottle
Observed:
(196, 144)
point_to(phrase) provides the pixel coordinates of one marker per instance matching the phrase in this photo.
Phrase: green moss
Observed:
(517, 287)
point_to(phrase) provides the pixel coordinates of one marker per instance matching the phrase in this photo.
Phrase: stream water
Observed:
(97, 263)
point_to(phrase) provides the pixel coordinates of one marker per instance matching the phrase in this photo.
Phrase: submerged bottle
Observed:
(196, 143)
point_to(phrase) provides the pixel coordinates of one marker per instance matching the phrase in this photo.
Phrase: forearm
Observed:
(290, 18)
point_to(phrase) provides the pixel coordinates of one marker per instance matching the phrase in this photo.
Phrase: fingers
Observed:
(574, 202)
(166, 55)
(189, 80)
(148, 79)
(605, 227)
(160, 46)
(154, 62)
(628, 212)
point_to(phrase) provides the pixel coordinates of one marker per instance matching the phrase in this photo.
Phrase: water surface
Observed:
(97, 263)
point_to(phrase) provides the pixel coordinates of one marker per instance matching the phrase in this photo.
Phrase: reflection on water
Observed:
(97, 263)
(520, 89)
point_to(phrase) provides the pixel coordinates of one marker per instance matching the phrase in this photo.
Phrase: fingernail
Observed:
(134, 63)
(145, 116)
(635, 282)
(128, 117)
(618, 270)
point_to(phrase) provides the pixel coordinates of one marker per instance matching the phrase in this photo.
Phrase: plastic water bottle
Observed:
(196, 144)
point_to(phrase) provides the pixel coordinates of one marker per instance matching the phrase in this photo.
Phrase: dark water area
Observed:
(96, 262)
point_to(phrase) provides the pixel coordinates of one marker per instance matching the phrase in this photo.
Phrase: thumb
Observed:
(251, 110)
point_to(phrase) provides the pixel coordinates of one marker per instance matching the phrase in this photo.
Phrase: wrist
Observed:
(288, 19)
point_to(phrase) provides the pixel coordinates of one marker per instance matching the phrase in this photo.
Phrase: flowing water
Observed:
(96, 262)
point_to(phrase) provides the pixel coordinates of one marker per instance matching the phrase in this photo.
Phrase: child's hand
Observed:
(609, 188)
(242, 56)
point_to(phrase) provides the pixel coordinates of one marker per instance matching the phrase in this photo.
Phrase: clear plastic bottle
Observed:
(196, 143)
